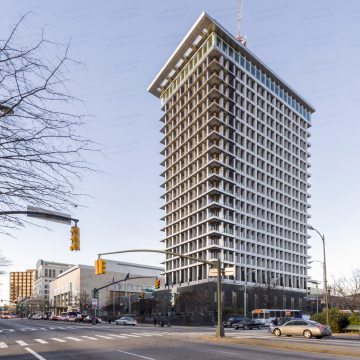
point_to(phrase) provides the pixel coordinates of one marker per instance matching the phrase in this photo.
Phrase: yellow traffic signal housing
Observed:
(102, 266)
(143, 294)
(97, 267)
(75, 238)
(157, 284)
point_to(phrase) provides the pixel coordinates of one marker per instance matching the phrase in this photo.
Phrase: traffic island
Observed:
(277, 344)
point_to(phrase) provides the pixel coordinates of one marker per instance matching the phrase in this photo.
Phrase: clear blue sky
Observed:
(313, 45)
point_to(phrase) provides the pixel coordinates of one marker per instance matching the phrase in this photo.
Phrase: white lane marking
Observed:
(105, 337)
(1, 331)
(119, 336)
(11, 330)
(59, 340)
(71, 338)
(3, 345)
(143, 357)
(132, 335)
(52, 328)
(22, 343)
(41, 341)
(89, 337)
(35, 354)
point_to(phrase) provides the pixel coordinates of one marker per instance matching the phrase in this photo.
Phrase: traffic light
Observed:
(75, 238)
(143, 294)
(102, 266)
(97, 267)
(157, 284)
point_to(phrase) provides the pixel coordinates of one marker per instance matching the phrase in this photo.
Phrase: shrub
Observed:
(230, 310)
(337, 320)
(354, 319)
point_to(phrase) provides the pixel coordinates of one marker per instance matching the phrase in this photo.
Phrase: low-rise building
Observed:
(72, 290)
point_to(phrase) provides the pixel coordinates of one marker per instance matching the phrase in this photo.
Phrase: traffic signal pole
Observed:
(220, 329)
(96, 290)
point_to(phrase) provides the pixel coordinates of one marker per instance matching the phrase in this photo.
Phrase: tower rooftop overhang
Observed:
(206, 25)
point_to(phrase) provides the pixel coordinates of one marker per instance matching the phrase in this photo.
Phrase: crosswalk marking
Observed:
(3, 345)
(105, 337)
(41, 341)
(72, 338)
(22, 343)
(52, 328)
(59, 340)
(89, 337)
(132, 335)
(11, 330)
(123, 337)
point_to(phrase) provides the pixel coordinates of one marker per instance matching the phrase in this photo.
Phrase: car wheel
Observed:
(116, 323)
(277, 332)
(307, 334)
(133, 324)
(259, 327)
(319, 337)
(246, 328)
(124, 323)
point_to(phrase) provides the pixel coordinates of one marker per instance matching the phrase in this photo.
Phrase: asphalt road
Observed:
(36, 339)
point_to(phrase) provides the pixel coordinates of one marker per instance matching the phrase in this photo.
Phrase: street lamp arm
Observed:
(212, 263)
(311, 228)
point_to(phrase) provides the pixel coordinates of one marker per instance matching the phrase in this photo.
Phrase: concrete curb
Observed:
(311, 348)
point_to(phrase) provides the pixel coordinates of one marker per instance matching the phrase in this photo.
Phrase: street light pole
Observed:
(326, 290)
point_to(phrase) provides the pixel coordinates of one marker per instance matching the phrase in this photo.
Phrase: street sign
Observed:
(287, 313)
(230, 271)
(44, 217)
(149, 290)
(226, 272)
(94, 303)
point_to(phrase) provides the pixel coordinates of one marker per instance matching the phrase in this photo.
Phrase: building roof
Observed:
(205, 22)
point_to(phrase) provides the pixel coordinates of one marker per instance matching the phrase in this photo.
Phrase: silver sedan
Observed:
(307, 329)
(126, 321)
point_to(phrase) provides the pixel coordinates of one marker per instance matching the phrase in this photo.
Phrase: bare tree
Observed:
(42, 146)
(4, 262)
(83, 301)
(346, 290)
(267, 293)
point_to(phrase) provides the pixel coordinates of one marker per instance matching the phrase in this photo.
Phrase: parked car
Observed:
(46, 317)
(233, 320)
(307, 329)
(29, 316)
(80, 317)
(126, 321)
(53, 318)
(248, 324)
(62, 318)
(89, 319)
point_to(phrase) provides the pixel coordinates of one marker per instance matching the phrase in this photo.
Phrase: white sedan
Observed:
(126, 321)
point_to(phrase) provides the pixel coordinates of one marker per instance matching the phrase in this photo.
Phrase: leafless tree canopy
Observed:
(347, 290)
(41, 143)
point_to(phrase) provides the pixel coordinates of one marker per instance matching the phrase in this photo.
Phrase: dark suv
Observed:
(233, 320)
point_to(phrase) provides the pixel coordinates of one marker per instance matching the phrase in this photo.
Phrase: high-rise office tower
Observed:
(235, 163)
(21, 284)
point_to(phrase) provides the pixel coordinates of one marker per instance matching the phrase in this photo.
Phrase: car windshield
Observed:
(232, 319)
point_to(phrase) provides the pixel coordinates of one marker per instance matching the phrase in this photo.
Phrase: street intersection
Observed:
(29, 339)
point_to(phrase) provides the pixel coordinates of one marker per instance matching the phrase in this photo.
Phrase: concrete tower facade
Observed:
(235, 163)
